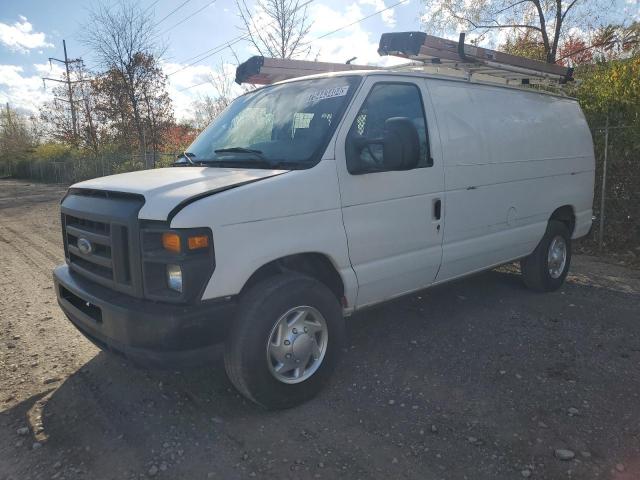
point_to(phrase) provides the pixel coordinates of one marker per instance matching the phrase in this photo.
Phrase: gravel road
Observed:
(479, 379)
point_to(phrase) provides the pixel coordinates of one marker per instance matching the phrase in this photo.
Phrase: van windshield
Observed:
(281, 126)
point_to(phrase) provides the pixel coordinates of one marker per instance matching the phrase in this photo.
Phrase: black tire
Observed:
(535, 267)
(245, 349)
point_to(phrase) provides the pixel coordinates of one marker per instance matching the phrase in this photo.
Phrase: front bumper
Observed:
(147, 332)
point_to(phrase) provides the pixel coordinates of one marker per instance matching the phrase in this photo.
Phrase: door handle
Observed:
(437, 209)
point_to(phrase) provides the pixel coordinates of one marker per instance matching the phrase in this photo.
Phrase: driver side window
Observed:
(385, 100)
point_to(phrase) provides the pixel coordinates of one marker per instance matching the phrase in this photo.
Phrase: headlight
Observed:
(177, 263)
(174, 277)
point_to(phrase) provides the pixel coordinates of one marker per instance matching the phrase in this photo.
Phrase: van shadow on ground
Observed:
(475, 378)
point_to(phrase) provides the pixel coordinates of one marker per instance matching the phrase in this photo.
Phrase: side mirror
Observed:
(401, 144)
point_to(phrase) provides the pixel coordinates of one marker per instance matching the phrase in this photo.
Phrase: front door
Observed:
(393, 219)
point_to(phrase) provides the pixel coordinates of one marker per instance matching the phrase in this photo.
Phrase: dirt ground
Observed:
(479, 379)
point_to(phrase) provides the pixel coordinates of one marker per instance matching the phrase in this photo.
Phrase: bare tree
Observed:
(547, 20)
(123, 39)
(55, 113)
(276, 28)
(207, 107)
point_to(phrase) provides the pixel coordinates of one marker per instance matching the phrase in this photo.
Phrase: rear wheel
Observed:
(286, 340)
(546, 268)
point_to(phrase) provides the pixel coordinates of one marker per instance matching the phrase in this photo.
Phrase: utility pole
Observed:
(73, 108)
(68, 81)
(604, 183)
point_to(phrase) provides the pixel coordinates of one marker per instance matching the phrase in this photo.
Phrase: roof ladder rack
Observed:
(265, 71)
(482, 64)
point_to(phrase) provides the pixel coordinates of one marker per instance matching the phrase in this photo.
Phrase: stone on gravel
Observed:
(526, 473)
(564, 454)
(572, 411)
(153, 471)
(22, 431)
(434, 429)
(620, 467)
(392, 402)
(36, 445)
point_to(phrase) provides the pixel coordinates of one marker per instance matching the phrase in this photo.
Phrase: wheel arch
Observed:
(313, 264)
(565, 214)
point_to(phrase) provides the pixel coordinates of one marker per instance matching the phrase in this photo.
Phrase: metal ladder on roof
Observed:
(265, 71)
(426, 53)
(440, 55)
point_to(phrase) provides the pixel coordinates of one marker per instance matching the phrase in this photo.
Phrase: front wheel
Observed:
(547, 267)
(286, 340)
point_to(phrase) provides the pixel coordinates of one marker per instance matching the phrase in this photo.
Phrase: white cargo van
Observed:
(310, 199)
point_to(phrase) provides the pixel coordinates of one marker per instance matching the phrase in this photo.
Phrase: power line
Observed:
(194, 13)
(68, 81)
(213, 51)
(360, 20)
(145, 11)
(219, 48)
(222, 46)
(172, 12)
(193, 86)
(151, 6)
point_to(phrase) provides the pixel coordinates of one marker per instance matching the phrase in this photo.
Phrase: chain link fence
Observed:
(75, 169)
(616, 206)
(616, 201)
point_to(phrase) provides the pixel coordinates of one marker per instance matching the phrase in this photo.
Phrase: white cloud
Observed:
(188, 84)
(353, 41)
(23, 91)
(388, 16)
(20, 36)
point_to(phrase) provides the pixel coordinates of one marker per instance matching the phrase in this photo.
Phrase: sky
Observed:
(31, 31)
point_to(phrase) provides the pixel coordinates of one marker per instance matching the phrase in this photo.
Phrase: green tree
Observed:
(17, 139)
(131, 85)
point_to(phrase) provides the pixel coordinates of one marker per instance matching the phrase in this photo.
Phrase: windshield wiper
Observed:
(187, 156)
(238, 150)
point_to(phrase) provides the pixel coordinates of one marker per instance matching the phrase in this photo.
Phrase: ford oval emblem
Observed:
(84, 246)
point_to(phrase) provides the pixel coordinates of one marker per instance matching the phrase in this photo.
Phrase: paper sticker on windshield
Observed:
(328, 93)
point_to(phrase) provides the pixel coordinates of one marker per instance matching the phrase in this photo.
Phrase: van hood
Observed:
(166, 190)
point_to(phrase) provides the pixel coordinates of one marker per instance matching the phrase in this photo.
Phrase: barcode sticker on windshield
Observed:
(328, 93)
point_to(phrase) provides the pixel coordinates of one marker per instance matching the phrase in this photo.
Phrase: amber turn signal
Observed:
(171, 242)
(198, 241)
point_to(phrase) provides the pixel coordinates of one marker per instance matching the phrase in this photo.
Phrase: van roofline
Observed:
(395, 71)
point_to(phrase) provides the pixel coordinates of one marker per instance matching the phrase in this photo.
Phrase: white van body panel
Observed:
(504, 160)
(164, 188)
(511, 158)
(298, 212)
(395, 245)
